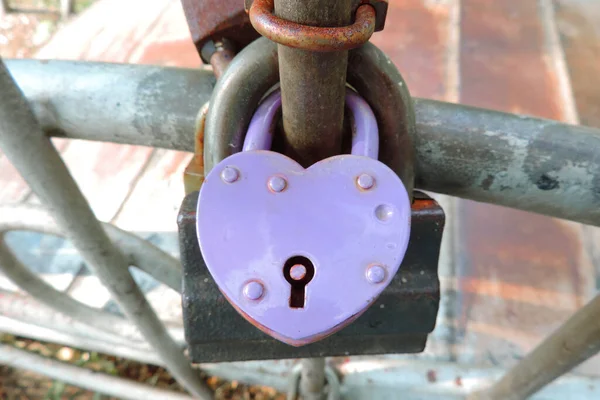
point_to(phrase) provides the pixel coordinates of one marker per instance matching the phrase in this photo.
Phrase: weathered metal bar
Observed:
(312, 378)
(34, 156)
(53, 335)
(313, 84)
(86, 378)
(139, 252)
(574, 342)
(531, 164)
(121, 103)
(29, 282)
(142, 254)
(26, 309)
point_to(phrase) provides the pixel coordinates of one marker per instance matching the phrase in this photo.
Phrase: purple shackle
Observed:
(365, 135)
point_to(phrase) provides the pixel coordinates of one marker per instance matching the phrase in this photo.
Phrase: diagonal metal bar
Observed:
(574, 342)
(142, 254)
(92, 380)
(21, 276)
(139, 252)
(32, 153)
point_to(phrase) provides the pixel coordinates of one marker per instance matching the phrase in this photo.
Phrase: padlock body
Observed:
(398, 321)
(351, 237)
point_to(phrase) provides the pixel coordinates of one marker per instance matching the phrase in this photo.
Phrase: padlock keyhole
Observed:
(298, 271)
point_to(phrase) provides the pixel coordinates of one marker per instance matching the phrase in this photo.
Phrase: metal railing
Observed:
(62, 99)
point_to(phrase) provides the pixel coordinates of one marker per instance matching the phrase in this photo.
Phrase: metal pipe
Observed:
(120, 103)
(85, 378)
(144, 255)
(312, 378)
(313, 87)
(24, 308)
(33, 155)
(52, 335)
(571, 344)
(22, 315)
(526, 163)
(531, 164)
(29, 282)
(313, 84)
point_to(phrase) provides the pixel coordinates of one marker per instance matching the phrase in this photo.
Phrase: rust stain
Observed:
(193, 176)
(431, 376)
(416, 40)
(422, 204)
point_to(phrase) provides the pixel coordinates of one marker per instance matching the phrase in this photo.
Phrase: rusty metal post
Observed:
(574, 342)
(313, 84)
(312, 89)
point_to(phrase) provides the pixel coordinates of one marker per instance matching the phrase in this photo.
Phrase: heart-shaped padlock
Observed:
(301, 253)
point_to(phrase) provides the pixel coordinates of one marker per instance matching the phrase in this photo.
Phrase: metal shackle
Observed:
(365, 137)
(255, 70)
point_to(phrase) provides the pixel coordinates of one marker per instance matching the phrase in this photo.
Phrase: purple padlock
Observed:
(301, 253)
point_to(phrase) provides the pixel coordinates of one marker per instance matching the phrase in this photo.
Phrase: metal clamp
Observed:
(255, 70)
(312, 38)
(332, 388)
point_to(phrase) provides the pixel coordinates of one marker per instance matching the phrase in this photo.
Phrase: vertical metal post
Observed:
(312, 89)
(312, 378)
(574, 342)
(312, 83)
(34, 156)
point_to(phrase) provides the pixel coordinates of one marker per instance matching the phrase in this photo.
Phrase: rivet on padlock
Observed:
(301, 253)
